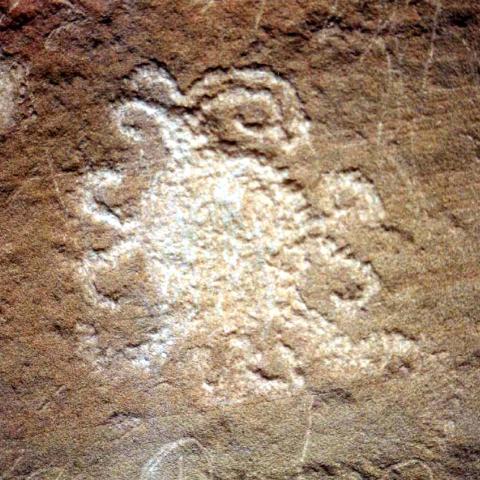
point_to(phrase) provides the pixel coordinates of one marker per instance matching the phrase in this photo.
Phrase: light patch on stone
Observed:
(183, 459)
(347, 198)
(10, 86)
(227, 239)
(414, 469)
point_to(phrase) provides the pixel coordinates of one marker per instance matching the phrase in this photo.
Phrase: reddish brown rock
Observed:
(239, 239)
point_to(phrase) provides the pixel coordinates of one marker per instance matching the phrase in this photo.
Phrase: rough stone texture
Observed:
(239, 239)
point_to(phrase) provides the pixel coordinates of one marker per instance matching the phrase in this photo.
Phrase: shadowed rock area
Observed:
(239, 239)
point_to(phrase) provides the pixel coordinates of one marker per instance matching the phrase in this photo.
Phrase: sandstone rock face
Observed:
(239, 239)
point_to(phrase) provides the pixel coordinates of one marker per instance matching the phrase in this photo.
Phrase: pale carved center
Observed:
(227, 238)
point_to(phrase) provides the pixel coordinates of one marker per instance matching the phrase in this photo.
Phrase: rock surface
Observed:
(239, 239)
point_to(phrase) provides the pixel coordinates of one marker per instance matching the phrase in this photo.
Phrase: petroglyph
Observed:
(411, 469)
(181, 460)
(205, 4)
(54, 473)
(62, 35)
(308, 431)
(9, 461)
(226, 238)
(431, 53)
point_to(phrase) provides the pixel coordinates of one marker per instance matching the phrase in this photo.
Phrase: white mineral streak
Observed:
(228, 239)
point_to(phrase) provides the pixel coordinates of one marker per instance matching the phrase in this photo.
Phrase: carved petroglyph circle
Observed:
(226, 239)
(184, 459)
